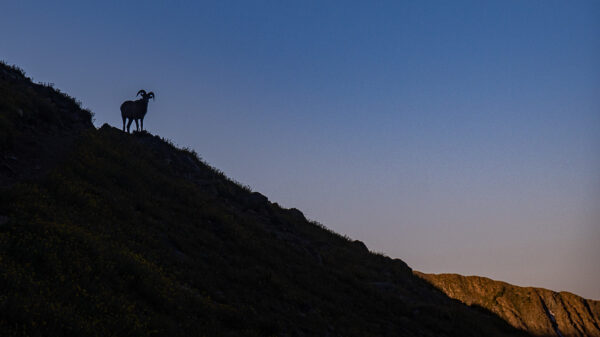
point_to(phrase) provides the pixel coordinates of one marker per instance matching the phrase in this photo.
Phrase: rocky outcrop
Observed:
(538, 311)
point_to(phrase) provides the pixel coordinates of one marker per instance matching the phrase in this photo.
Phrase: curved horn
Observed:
(142, 92)
(151, 95)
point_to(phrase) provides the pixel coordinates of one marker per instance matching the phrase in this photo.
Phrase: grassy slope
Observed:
(524, 307)
(128, 235)
(37, 124)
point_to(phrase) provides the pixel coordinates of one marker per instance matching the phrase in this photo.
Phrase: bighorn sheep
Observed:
(136, 110)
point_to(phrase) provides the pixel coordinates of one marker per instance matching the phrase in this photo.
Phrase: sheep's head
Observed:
(146, 95)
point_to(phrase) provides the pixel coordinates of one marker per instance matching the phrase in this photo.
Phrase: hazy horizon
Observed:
(460, 137)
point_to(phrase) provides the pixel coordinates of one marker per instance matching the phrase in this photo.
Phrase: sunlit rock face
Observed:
(539, 311)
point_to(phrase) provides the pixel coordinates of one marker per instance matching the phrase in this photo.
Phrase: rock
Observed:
(360, 245)
(538, 311)
(257, 198)
(296, 213)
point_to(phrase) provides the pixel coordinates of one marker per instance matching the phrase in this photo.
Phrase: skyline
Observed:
(457, 137)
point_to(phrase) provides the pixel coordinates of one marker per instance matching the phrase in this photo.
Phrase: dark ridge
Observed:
(124, 234)
(38, 125)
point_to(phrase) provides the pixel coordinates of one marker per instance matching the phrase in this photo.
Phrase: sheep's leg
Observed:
(129, 124)
(137, 126)
(142, 123)
(124, 123)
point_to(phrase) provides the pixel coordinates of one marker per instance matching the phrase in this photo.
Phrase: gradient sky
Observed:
(459, 136)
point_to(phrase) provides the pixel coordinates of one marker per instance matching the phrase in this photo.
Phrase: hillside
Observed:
(38, 124)
(104, 233)
(539, 311)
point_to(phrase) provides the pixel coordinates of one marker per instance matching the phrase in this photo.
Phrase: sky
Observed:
(458, 136)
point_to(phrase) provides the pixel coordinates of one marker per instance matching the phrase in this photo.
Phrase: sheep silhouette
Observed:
(136, 110)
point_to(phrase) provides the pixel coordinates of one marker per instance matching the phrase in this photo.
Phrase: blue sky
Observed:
(458, 136)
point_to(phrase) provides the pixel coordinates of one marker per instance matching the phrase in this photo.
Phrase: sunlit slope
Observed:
(540, 311)
(126, 235)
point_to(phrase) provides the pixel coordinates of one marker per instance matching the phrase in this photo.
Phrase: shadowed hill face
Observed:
(131, 235)
(539, 311)
(128, 235)
(38, 125)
